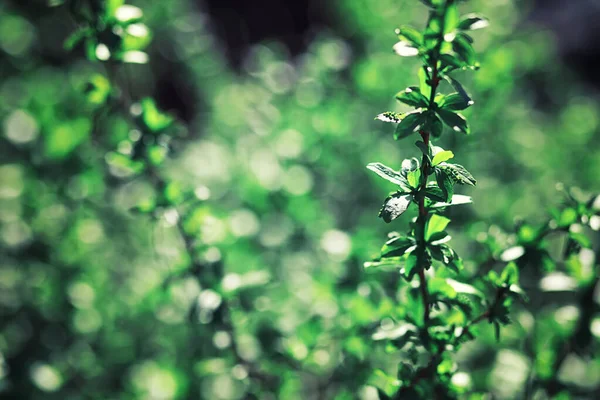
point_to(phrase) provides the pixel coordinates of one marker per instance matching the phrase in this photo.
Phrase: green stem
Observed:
(422, 220)
(425, 165)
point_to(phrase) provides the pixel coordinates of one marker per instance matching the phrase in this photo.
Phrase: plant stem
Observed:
(423, 213)
(422, 220)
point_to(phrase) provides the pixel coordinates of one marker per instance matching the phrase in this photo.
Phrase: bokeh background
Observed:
(276, 101)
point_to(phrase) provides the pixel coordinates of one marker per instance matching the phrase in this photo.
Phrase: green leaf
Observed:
(434, 193)
(458, 87)
(388, 174)
(457, 173)
(439, 286)
(410, 266)
(97, 89)
(447, 255)
(390, 116)
(433, 124)
(457, 200)
(408, 125)
(414, 178)
(581, 239)
(90, 48)
(527, 234)
(153, 118)
(405, 49)
(62, 140)
(464, 288)
(424, 84)
(464, 50)
(394, 206)
(445, 183)
(436, 149)
(455, 121)
(436, 223)
(510, 274)
(410, 34)
(455, 102)
(413, 97)
(473, 22)
(449, 62)
(385, 384)
(397, 246)
(394, 332)
(567, 217)
(439, 238)
(441, 157)
(451, 19)
(174, 193)
(156, 154)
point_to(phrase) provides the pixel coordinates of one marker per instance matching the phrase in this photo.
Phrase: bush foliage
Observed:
(219, 253)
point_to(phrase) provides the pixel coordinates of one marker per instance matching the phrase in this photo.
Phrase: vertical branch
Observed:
(422, 220)
(423, 214)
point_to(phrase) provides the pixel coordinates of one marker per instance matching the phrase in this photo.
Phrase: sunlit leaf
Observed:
(441, 157)
(436, 223)
(457, 173)
(394, 206)
(405, 49)
(473, 22)
(390, 116)
(389, 174)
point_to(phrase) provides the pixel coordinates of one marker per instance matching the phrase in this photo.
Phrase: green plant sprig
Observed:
(444, 46)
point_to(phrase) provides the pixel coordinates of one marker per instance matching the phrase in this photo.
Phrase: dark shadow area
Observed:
(240, 24)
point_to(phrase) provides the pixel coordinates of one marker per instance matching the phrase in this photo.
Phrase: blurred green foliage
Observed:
(221, 258)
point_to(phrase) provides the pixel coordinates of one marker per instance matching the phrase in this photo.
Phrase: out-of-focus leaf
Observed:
(77, 37)
(510, 274)
(153, 118)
